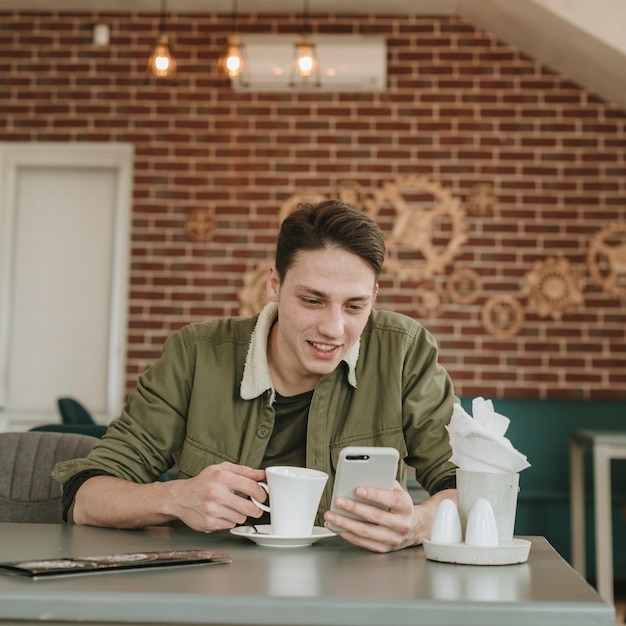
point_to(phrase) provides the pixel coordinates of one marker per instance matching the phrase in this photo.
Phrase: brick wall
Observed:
(519, 290)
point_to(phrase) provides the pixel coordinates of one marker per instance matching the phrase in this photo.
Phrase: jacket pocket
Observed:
(193, 458)
(390, 438)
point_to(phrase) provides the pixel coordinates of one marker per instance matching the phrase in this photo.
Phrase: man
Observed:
(317, 370)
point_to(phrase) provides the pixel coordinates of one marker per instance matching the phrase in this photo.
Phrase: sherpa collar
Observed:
(256, 374)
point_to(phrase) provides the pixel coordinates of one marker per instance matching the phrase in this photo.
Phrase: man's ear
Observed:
(375, 294)
(272, 285)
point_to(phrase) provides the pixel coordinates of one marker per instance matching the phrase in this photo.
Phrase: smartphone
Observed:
(363, 467)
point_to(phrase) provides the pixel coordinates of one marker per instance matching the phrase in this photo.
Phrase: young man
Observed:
(318, 369)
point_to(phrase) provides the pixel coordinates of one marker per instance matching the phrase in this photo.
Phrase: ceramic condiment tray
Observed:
(507, 553)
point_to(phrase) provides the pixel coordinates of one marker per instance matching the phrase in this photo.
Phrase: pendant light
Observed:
(233, 63)
(162, 63)
(305, 69)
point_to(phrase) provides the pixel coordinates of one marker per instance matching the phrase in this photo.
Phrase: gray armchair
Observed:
(27, 491)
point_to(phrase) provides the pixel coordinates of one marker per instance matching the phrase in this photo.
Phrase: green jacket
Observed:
(209, 399)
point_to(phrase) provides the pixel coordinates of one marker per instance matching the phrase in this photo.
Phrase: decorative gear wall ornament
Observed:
(464, 286)
(553, 287)
(423, 241)
(293, 201)
(502, 315)
(352, 192)
(429, 300)
(200, 225)
(253, 295)
(481, 199)
(606, 258)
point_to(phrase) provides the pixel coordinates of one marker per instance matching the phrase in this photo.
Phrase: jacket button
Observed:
(263, 432)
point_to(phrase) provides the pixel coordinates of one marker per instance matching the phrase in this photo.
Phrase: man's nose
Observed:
(331, 323)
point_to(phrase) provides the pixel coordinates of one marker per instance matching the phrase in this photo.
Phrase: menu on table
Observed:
(62, 566)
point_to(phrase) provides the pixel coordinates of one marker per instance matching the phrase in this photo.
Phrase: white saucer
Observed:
(508, 553)
(263, 536)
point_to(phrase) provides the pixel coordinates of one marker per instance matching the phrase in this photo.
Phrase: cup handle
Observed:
(259, 504)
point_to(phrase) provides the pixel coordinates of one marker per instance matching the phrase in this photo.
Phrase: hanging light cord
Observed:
(234, 16)
(162, 24)
(307, 27)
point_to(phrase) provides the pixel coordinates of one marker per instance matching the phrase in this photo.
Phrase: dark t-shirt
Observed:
(287, 445)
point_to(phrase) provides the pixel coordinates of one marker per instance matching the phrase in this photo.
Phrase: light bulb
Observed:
(306, 62)
(162, 63)
(234, 62)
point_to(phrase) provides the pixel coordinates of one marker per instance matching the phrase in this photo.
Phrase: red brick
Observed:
(462, 109)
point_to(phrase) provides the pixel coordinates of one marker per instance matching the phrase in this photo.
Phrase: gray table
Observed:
(330, 582)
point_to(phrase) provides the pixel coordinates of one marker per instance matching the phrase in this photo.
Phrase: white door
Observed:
(64, 224)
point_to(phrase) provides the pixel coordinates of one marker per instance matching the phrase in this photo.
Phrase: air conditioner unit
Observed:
(347, 63)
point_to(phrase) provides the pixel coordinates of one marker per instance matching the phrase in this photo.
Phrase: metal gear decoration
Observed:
(253, 295)
(553, 287)
(481, 199)
(464, 286)
(606, 258)
(200, 225)
(502, 315)
(424, 240)
(429, 300)
(352, 192)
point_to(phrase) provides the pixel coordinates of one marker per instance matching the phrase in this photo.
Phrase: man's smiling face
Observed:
(323, 306)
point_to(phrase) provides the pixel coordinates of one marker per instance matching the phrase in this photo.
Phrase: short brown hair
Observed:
(332, 223)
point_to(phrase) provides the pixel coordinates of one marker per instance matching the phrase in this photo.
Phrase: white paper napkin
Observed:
(478, 443)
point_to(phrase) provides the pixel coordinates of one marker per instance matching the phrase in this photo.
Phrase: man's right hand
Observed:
(215, 499)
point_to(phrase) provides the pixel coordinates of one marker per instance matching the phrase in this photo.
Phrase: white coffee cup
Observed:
(295, 494)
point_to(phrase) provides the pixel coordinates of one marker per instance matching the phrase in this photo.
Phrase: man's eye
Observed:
(311, 301)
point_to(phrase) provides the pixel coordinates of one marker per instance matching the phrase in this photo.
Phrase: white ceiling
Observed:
(582, 39)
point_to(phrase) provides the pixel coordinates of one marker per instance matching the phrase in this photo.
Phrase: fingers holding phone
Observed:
(369, 505)
(369, 468)
(382, 524)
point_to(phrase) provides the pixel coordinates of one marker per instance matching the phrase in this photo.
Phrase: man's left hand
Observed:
(397, 525)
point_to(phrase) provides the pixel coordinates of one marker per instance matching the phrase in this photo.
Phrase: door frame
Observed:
(117, 156)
